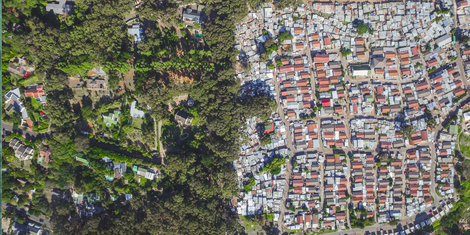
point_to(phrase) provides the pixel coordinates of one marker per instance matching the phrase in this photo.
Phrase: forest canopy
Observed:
(197, 182)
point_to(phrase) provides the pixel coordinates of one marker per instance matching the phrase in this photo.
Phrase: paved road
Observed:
(386, 227)
(23, 212)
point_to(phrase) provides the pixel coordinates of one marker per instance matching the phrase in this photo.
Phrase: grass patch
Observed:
(249, 221)
(29, 81)
(465, 145)
(37, 106)
(137, 123)
(44, 127)
(36, 116)
(270, 216)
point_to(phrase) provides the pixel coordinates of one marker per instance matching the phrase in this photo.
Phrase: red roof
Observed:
(380, 98)
(414, 50)
(404, 54)
(340, 127)
(408, 90)
(299, 67)
(432, 62)
(389, 54)
(437, 79)
(298, 30)
(337, 72)
(422, 86)
(380, 90)
(302, 82)
(321, 58)
(316, 44)
(338, 109)
(340, 215)
(286, 68)
(324, 87)
(424, 135)
(413, 104)
(323, 81)
(329, 135)
(459, 91)
(406, 71)
(34, 91)
(393, 72)
(325, 102)
(341, 94)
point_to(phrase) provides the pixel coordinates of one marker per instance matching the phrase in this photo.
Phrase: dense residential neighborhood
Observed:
(358, 114)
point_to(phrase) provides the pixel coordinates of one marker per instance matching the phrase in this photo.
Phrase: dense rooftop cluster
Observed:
(362, 89)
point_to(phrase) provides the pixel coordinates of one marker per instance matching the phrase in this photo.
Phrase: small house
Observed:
(111, 118)
(192, 16)
(183, 118)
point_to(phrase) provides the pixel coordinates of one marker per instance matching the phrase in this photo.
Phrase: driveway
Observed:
(28, 134)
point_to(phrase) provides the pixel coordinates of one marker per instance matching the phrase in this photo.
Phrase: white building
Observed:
(443, 40)
(360, 71)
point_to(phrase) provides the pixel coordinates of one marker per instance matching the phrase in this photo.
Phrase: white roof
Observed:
(135, 112)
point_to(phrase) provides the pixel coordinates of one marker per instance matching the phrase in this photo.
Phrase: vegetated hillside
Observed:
(198, 180)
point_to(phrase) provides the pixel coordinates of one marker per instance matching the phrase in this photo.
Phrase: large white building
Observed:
(360, 71)
(442, 41)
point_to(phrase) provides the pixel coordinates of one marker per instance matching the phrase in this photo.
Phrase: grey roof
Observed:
(137, 31)
(378, 62)
(192, 15)
(377, 51)
(443, 40)
(135, 112)
(42, 99)
(96, 84)
(60, 7)
(13, 94)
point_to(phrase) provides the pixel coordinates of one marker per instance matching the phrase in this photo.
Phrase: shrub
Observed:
(251, 182)
(274, 167)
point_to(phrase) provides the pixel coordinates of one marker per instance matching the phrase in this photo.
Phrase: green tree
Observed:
(407, 131)
(265, 139)
(362, 29)
(8, 154)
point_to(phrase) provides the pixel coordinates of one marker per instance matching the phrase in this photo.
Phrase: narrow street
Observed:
(288, 162)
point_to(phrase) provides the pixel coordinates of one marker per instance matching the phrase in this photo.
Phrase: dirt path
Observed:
(158, 140)
(288, 163)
